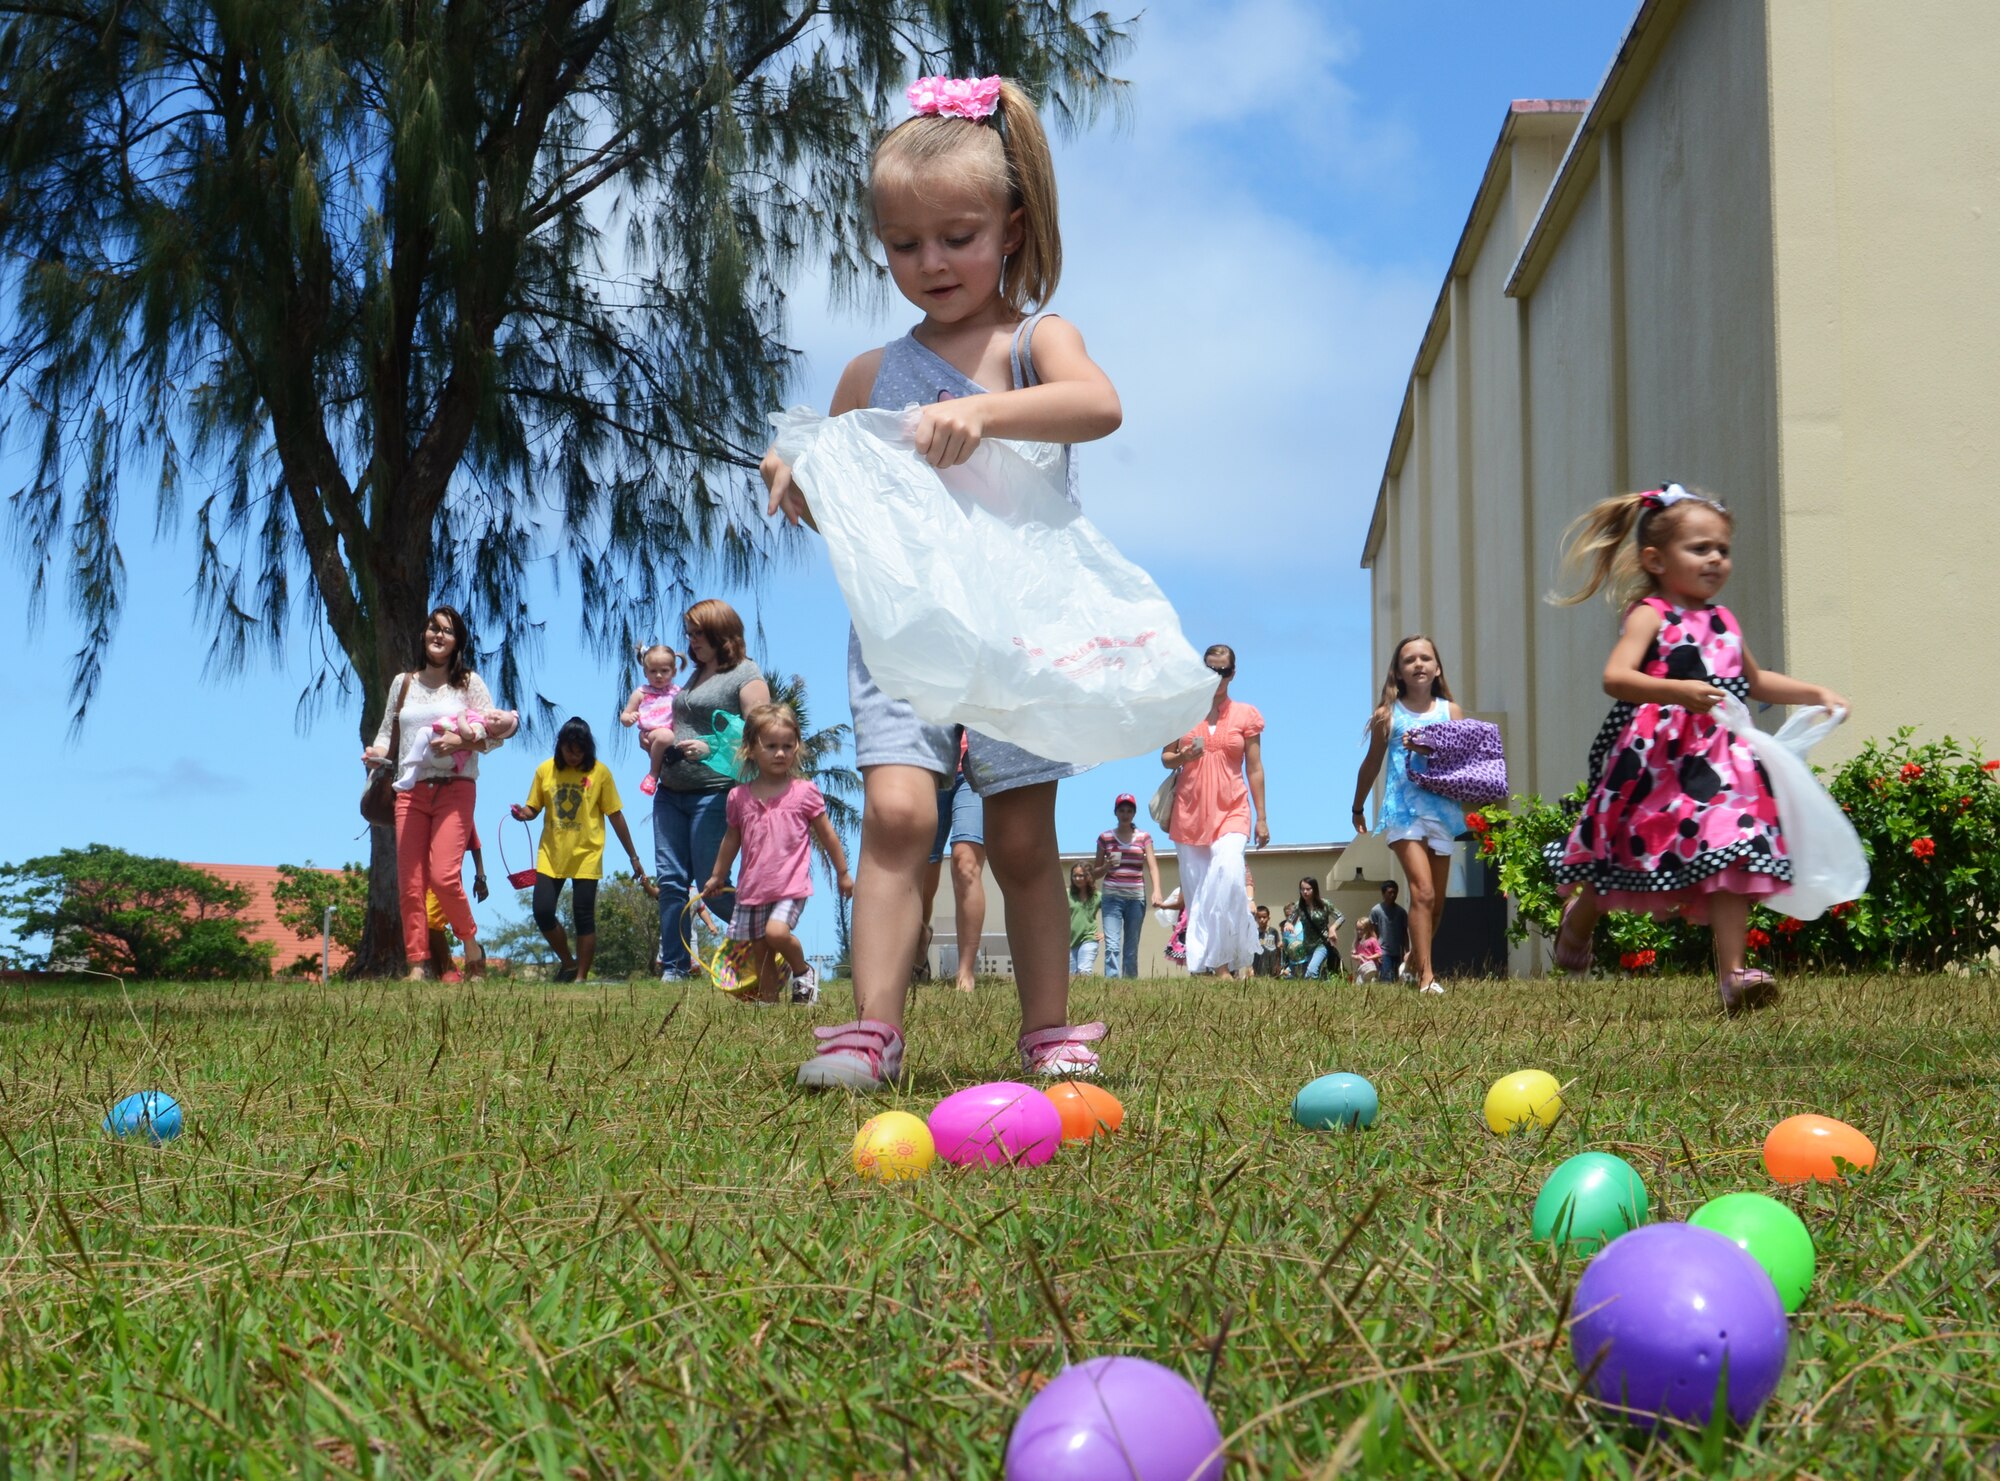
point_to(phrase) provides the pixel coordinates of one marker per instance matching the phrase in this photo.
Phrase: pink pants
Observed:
(433, 827)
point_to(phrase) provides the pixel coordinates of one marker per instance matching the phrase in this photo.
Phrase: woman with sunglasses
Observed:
(1221, 766)
(434, 811)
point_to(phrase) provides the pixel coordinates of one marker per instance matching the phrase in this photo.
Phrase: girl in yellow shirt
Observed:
(577, 791)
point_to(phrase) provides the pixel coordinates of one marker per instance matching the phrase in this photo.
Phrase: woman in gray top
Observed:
(689, 815)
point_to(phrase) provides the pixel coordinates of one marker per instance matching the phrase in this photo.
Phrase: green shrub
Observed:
(1928, 816)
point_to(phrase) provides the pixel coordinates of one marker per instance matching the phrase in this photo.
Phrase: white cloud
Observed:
(1272, 65)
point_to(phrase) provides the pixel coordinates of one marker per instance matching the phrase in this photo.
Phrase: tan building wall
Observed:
(1762, 260)
(1886, 194)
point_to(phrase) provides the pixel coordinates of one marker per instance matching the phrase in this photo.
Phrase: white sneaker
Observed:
(805, 986)
(1433, 986)
(864, 1055)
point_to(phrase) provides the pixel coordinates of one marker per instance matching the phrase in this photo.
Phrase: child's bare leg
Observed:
(898, 822)
(968, 921)
(784, 948)
(657, 744)
(1729, 919)
(1021, 846)
(1426, 897)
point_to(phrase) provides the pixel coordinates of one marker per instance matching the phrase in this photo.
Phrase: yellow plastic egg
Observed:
(893, 1146)
(1523, 1098)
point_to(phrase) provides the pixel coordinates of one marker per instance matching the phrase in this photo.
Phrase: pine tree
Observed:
(390, 299)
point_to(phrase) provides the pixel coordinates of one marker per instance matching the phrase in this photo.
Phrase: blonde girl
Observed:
(1679, 819)
(651, 709)
(773, 822)
(1422, 828)
(964, 200)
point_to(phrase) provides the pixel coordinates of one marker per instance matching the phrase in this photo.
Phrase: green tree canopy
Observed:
(110, 911)
(393, 298)
(302, 896)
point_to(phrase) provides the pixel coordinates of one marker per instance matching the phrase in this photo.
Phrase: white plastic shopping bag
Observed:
(984, 598)
(1829, 866)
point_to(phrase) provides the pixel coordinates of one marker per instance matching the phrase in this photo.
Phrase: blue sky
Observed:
(1251, 257)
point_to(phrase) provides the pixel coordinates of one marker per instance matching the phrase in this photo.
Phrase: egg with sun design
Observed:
(892, 1147)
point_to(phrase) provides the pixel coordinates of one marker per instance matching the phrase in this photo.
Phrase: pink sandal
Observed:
(1747, 988)
(1572, 959)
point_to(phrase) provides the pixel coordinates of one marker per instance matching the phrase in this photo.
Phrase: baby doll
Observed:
(474, 727)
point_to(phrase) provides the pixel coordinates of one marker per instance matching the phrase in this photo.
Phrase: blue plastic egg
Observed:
(152, 1114)
(1336, 1100)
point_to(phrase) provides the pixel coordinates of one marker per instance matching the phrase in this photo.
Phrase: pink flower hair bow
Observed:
(955, 97)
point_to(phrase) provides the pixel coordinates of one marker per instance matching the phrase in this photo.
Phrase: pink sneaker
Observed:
(864, 1055)
(649, 786)
(1061, 1053)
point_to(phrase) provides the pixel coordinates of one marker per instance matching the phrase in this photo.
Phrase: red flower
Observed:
(1629, 960)
(1841, 909)
(1964, 804)
(1790, 925)
(1490, 846)
(1477, 822)
(1876, 784)
(1989, 766)
(1757, 940)
(1911, 771)
(1923, 848)
(1647, 957)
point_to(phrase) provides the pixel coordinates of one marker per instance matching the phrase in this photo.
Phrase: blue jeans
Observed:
(1083, 959)
(687, 835)
(1123, 915)
(1317, 963)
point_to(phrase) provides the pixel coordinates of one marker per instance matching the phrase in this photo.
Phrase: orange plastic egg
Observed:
(1086, 1110)
(1803, 1148)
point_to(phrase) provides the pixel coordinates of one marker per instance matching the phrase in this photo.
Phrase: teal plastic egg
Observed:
(1336, 1100)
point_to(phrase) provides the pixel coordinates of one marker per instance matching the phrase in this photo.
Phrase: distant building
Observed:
(1765, 260)
(259, 917)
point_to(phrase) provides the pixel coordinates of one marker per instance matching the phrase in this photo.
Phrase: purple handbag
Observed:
(1464, 762)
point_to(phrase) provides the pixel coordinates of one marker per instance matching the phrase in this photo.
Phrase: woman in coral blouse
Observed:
(1221, 766)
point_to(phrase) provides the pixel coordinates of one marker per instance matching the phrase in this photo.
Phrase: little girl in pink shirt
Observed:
(773, 822)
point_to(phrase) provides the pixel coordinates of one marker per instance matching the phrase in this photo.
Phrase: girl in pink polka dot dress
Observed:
(1679, 820)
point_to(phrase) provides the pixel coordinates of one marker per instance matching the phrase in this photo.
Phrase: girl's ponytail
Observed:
(1030, 276)
(1599, 543)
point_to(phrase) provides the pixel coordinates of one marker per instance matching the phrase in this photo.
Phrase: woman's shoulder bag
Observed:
(378, 797)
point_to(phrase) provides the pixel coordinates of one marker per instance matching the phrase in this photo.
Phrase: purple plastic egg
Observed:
(1658, 1312)
(1116, 1419)
(1000, 1122)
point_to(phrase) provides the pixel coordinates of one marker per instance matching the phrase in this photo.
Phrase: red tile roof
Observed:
(259, 916)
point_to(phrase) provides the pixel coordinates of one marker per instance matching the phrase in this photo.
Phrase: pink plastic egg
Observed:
(1000, 1122)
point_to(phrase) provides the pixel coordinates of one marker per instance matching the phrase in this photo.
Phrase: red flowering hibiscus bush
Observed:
(1928, 816)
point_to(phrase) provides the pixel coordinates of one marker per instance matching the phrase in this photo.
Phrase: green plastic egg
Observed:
(1771, 1234)
(1589, 1201)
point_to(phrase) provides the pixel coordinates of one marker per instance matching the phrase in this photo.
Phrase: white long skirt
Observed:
(1221, 932)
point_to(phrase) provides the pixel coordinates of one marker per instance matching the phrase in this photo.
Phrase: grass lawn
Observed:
(503, 1230)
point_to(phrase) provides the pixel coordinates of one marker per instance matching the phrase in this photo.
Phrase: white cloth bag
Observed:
(984, 598)
(1829, 865)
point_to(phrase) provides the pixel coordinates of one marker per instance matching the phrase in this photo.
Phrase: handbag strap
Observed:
(396, 725)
